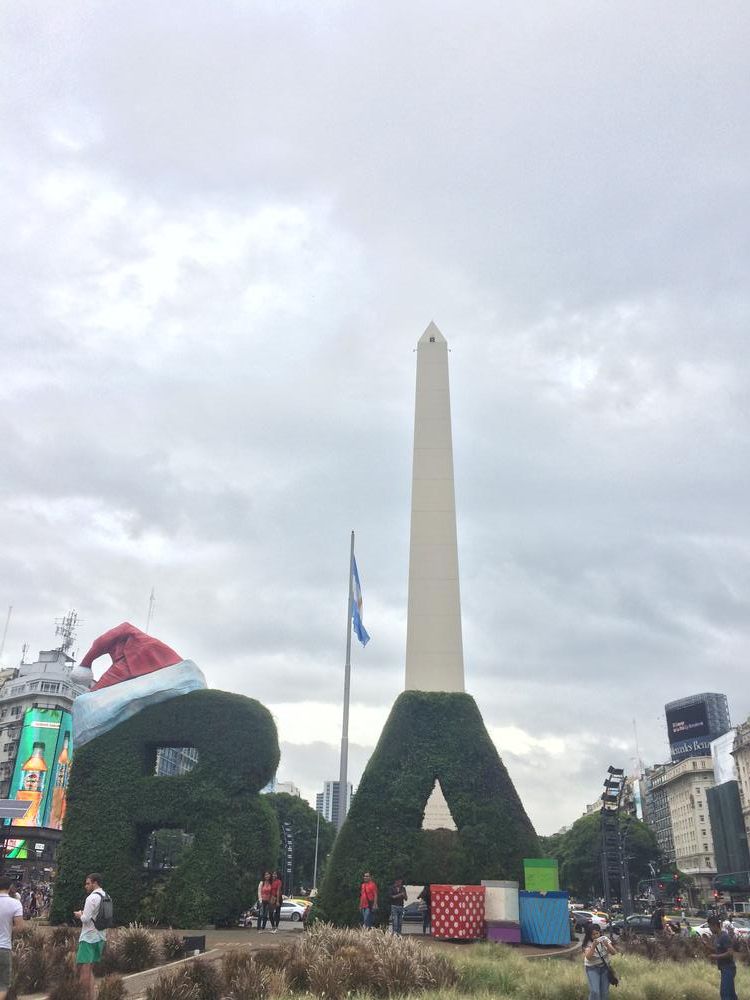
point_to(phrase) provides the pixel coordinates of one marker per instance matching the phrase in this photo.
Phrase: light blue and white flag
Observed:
(359, 629)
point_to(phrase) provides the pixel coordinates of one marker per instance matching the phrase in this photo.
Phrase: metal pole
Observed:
(315, 866)
(151, 603)
(341, 810)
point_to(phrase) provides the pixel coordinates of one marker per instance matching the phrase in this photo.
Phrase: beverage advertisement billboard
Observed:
(687, 723)
(40, 776)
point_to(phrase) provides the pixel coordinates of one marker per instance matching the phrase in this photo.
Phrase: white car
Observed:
(741, 929)
(583, 917)
(291, 910)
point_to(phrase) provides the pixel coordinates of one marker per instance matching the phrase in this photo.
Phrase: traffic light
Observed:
(661, 885)
(675, 877)
(716, 894)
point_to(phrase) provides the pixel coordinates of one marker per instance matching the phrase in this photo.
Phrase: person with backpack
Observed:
(95, 917)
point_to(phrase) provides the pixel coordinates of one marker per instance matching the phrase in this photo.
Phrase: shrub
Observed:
(136, 949)
(32, 963)
(236, 831)
(64, 937)
(251, 981)
(66, 985)
(172, 946)
(382, 833)
(173, 986)
(112, 988)
(207, 979)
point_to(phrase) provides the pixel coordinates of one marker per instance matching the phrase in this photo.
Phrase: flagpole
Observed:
(341, 811)
(315, 868)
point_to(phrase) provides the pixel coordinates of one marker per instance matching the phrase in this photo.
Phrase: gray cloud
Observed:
(224, 233)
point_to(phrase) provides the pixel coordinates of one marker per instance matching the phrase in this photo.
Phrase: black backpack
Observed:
(105, 914)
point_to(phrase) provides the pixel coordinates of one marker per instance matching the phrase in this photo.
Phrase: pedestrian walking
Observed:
(92, 938)
(426, 898)
(264, 900)
(11, 917)
(368, 900)
(397, 899)
(596, 946)
(274, 904)
(721, 952)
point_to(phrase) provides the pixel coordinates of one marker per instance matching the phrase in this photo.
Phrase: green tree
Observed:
(579, 854)
(304, 821)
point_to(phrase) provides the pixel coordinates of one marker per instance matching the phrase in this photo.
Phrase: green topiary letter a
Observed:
(428, 736)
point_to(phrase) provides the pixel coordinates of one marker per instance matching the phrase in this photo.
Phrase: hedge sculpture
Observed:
(428, 735)
(115, 801)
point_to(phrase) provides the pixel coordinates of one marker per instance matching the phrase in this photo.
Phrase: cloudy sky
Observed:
(225, 227)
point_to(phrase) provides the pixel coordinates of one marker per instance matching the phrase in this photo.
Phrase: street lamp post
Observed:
(315, 865)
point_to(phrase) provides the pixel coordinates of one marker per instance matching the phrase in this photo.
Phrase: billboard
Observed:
(687, 723)
(42, 769)
(725, 768)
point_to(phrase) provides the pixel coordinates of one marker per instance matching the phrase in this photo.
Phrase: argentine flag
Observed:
(360, 630)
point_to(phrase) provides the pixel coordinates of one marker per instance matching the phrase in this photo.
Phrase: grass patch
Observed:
(337, 964)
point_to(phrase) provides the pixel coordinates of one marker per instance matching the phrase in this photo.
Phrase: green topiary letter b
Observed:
(115, 800)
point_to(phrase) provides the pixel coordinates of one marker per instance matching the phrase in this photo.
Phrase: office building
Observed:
(694, 722)
(46, 683)
(656, 809)
(686, 785)
(327, 801)
(172, 761)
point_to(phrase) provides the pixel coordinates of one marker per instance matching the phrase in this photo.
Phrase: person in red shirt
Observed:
(274, 905)
(264, 900)
(368, 900)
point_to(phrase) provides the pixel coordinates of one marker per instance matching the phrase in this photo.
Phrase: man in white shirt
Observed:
(11, 915)
(91, 941)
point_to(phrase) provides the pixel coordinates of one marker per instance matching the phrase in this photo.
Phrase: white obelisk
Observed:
(434, 645)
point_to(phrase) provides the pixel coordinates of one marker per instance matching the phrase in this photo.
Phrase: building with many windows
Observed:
(327, 801)
(46, 683)
(171, 761)
(656, 809)
(686, 784)
(694, 722)
(741, 754)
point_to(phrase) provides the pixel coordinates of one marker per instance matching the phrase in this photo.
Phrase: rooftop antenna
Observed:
(5, 631)
(638, 761)
(67, 629)
(24, 651)
(151, 603)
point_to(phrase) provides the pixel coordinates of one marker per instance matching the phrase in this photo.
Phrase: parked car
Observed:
(583, 917)
(292, 910)
(741, 929)
(636, 923)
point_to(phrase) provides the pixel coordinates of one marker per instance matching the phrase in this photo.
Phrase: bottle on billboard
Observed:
(60, 790)
(34, 772)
